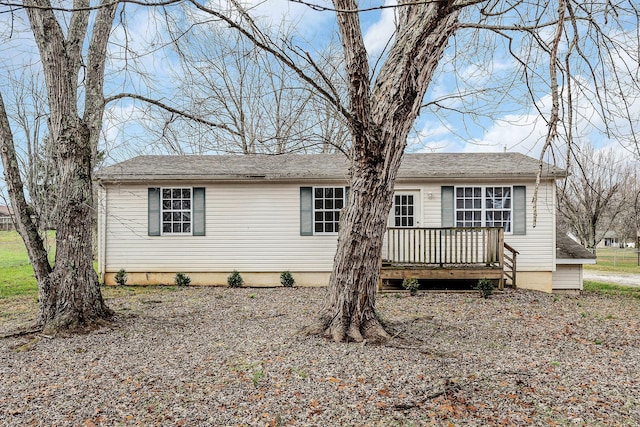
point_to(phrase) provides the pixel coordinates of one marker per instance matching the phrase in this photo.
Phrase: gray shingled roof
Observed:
(320, 166)
(567, 248)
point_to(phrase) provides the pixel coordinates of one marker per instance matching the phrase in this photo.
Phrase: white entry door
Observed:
(406, 209)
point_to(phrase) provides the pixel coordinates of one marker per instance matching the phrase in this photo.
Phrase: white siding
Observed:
(249, 227)
(255, 227)
(537, 247)
(567, 276)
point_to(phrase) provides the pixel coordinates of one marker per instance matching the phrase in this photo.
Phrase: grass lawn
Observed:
(609, 289)
(616, 260)
(16, 273)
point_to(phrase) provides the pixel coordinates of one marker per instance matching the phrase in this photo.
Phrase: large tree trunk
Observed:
(349, 312)
(69, 292)
(380, 122)
(70, 298)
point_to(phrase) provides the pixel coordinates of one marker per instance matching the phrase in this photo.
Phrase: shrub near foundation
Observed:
(235, 280)
(286, 279)
(121, 277)
(411, 285)
(182, 279)
(485, 287)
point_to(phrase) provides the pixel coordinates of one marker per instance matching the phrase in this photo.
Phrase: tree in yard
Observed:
(380, 115)
(596, 193)
(27, 95)
(268, 109)
(627, 225)
(550, 43)
(72, 55)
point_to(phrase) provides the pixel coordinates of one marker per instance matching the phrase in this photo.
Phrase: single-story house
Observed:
(611, 239)
(207, 216)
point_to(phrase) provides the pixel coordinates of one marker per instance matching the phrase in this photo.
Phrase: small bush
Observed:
(235, 280)
(411, 285)
(485, 287)
(182, 279)
(286, 278)
(121, 277)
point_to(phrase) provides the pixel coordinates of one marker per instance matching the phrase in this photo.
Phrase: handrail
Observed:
(510, 267)
(445, 246)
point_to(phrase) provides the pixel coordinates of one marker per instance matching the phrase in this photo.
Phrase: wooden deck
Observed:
(472, 253)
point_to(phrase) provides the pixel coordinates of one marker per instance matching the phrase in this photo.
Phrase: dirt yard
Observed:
(229, 357)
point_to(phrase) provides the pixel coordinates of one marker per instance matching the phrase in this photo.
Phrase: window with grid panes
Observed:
(176, 210)
(403, 205)
(327, 203)
(483, 207)
(468, 207)
(498, 207)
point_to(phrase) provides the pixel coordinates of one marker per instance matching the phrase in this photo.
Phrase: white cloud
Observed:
(378, 34)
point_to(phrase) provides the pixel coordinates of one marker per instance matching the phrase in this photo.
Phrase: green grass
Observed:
(616, 260)
(609, 289)
(17, 279)
(16, 273)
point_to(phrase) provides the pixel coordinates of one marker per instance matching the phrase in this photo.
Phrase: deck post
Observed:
(440, 251)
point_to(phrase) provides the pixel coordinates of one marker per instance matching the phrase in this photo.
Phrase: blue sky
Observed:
(500, 119)
(503, 118)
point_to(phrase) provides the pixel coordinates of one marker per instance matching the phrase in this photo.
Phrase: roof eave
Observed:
(575, 261)
(109, 179)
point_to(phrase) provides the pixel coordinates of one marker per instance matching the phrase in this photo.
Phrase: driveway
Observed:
(624, 279)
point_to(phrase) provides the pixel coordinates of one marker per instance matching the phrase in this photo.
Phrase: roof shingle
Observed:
(567, 248)
(321, 166)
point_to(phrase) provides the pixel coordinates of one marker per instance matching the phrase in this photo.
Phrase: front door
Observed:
(400, 241)
(406, 209)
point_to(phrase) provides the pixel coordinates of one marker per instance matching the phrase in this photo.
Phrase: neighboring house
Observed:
(612, 240)
(261, 215)
(6, 223)
(570, 257)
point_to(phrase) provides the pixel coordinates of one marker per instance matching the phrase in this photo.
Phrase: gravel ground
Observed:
(228, 357)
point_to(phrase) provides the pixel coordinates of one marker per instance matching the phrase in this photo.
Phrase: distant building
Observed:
(6, 223)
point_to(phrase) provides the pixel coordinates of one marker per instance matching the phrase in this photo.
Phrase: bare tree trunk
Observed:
(22, 211)
(69, 292)
(380, 122)
(71, 298)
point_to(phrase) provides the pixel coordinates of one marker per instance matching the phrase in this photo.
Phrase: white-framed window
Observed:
(484, 207)
(468, 207)
(176, 210)
(327, 204)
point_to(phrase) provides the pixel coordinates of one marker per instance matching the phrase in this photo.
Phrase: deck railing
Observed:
(444, 246)
(510, 267)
